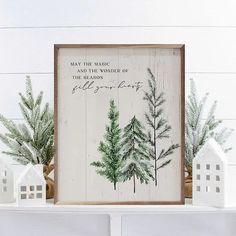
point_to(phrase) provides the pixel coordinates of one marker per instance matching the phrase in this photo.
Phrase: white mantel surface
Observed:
(116, 209)
(77, 220)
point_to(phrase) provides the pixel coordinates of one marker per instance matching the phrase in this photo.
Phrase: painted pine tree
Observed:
(159, 127)
(135, 154)
(110, 149)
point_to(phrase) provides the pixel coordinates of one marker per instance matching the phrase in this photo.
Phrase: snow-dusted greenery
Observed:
(197, 129)
(31, 141)
(111, 161)
(135, 154)
(158, 126)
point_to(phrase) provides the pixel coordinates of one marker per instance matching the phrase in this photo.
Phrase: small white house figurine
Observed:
(214, 178)
(6, 183)
(31, 186)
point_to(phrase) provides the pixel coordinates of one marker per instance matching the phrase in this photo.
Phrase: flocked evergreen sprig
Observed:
(199, 129)
(111, 161)
(31, 141)
(158, 125)
(135, 154)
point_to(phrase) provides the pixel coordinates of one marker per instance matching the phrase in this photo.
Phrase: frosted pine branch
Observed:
(199, 130)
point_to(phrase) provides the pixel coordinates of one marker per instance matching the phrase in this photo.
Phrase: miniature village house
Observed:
(6, 183)
(214, 177)
(31, 186)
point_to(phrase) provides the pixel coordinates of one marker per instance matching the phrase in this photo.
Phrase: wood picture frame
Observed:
(89, 100)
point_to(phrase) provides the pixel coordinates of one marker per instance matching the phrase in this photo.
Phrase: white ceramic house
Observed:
(31, 186)
(6, 183)
(214, 177)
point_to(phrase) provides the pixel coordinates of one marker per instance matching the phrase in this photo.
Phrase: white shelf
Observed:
(117, 209)
(115, 215)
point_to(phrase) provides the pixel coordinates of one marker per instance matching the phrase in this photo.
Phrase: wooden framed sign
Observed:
(119, 124)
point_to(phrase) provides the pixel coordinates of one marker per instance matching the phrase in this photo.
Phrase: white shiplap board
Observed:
(207, 49)
(113, 13)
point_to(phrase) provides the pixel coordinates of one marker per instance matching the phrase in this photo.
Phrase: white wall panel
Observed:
(168, 224)
(31, 50)
(53, 224)
(117, 13)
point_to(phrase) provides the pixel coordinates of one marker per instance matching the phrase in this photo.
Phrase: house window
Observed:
(217, 178)
(217, 167)
(23, 196)
(4, 181)
(4, 173)
(23, 188)
(207, 189)
(217, 189)
(39, 187)
(208, 166)
(31, 196)
(31, 188)
(198, 177)
(198, 188)
(198, 166)
(4, 189)
(39, 195)
(208, 177)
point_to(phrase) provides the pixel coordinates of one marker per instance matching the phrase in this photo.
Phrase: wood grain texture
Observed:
(94, 187)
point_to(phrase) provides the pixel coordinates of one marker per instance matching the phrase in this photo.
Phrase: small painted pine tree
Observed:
(159, 128)
(110, 149)
(33, 140)
(135, 154)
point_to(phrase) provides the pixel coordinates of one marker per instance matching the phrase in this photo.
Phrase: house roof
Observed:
(28, 170)
(211, 146)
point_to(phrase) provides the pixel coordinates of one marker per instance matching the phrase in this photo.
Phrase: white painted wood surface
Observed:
(125, 13)
(207, 49)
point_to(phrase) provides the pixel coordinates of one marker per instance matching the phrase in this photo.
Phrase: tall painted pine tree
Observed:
(135, 154)
(110, 149)
(159, 128)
